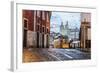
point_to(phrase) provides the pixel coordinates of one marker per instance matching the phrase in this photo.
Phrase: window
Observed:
(25, 22)
(37, 19)
(37, 27)
(43, 29)
(40, 29)
(47, 31)
(43, 15)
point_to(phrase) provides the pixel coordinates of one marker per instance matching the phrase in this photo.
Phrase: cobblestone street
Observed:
(54, 55)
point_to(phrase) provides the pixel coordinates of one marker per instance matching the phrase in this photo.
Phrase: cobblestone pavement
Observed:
(54, 54)
(65, 54)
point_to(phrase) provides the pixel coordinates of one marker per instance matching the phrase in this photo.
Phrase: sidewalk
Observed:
(30, 56)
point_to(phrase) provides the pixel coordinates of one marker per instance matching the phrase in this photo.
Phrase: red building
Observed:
(36, 29)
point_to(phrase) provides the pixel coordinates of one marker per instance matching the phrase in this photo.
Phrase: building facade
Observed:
(71, 33)
(36, 29)
(64, 30)
(85, 35)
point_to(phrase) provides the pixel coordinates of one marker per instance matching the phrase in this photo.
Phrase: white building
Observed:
(72, 33)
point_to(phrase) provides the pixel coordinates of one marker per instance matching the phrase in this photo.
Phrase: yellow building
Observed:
(61, 43)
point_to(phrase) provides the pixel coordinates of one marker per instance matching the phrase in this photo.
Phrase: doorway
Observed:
(25, 27)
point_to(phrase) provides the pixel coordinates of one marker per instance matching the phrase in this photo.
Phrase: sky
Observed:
(58, 17)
